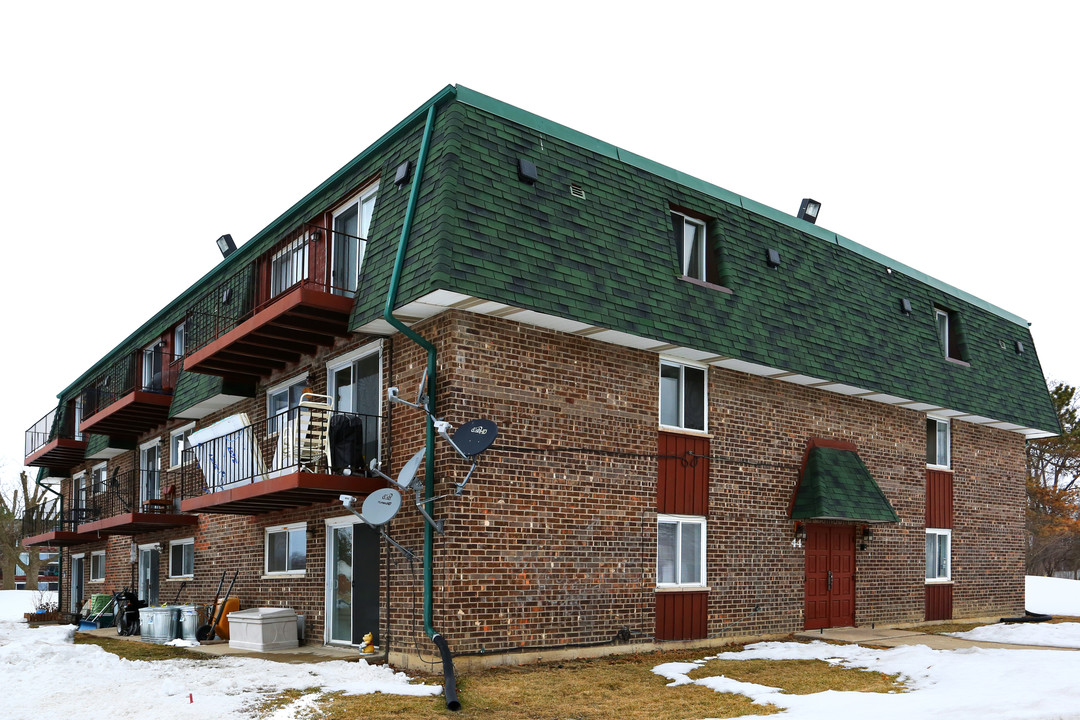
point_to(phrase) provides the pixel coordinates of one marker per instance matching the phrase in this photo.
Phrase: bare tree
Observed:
(33, 508)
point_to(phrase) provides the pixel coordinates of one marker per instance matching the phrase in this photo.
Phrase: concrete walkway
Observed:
(892, 637)
(303, 654)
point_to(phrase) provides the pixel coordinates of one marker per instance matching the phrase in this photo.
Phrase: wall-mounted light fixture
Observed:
(865, 537)
(905, 306)
(808, 210)
(800, 535)
(401, 175)
(772, 257)
(226, 245)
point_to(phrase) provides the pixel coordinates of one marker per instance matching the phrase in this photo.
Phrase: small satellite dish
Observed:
(405, 478)
(475, 436)
(381, 506)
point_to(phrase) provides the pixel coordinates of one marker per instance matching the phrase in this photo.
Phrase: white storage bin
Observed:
(263, 629)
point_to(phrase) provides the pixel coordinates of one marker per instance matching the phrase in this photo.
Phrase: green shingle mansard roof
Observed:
(830, 312)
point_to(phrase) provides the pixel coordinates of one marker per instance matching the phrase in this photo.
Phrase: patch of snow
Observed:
(1066, 635)
(13, 603)
(76, 676)
(1052, 596)
(958, 684)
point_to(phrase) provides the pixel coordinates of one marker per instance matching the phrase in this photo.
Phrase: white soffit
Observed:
(435, 302)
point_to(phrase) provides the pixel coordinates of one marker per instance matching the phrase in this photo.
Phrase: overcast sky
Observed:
(134, 134)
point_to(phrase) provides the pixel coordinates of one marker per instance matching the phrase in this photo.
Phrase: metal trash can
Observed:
(189, 621)
(159, 624)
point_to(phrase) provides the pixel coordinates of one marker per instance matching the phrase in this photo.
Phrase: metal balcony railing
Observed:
(235, 452)
(125, 491)
(52, 523)
(147, 370)
(59, 422)
(300, 259)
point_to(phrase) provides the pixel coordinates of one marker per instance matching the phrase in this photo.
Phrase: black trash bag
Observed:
(347, 445)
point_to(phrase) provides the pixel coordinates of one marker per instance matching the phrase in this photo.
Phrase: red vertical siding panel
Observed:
(682, 615)
(939, 499)
(939, 601)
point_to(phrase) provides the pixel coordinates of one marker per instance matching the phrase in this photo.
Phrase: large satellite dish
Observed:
(408, 473)
(475, 436)
(381, 506)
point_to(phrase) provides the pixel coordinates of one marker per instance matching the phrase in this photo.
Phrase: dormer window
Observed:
(947, 333)
(697, 258)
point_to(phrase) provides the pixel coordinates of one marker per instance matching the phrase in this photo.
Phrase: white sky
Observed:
(132, 135)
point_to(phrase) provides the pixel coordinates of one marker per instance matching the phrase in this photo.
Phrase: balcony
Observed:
(132, 502)
(59, 531)
(299, 458)
(283, 305)
(132, 395)
(54, 441)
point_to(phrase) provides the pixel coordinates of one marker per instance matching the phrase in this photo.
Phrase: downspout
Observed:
(449, 684)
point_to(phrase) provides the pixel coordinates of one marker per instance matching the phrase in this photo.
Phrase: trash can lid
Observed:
(262, 613)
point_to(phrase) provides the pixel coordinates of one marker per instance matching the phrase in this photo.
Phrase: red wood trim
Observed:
(939, 499)
(682, 615)
(292, 481)
(682, 486)
(939, 601)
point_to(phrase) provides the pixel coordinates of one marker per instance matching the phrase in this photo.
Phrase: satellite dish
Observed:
(475, 436)
(381, 506)
(405, 478)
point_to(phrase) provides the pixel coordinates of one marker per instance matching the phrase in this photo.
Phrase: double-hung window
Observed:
(179, 342)
(97, 566)
(177, 442)
(937, 442)
(948, 333)
(98, 476)
(682, 396)
(680, 551)
(182, 558)
(286, 549)
(938, 555)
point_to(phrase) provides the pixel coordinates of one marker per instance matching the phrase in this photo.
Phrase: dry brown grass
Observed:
(800, 677)
(138, 650)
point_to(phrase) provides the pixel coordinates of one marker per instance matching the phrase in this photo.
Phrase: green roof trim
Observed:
(193, 388)
(836, 485)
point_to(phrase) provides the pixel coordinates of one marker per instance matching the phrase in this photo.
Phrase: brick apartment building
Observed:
(715, 420)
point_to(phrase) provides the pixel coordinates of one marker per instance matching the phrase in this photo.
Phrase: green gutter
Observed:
(388, 314)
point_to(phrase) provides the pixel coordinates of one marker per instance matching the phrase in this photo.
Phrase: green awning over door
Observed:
(836, 485)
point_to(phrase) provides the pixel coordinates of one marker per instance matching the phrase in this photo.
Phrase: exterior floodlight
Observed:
(226, 245)
(809, 210)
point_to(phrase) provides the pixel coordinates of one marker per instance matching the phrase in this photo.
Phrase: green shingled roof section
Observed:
(193, 388)
(96, 443)
(836, 484)
(828, 311)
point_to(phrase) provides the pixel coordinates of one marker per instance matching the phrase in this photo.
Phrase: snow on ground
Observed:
(13, 603)
(957, 684)
(46, 675)
(1053, 596)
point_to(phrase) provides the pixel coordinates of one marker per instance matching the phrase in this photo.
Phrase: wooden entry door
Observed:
(830, 576)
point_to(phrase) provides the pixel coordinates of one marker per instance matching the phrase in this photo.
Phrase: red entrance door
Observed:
(830, 576)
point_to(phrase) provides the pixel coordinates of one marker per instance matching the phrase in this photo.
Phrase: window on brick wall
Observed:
(182, 558)
(286, 549)
(98, 477)
(938, 555)
(680, 551)
(282, 401)
(682, 395)
(97, 566)
(937, 442)
(177, 440)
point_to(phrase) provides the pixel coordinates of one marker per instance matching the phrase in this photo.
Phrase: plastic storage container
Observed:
(159, 624)
(189, 621)
(263, 629)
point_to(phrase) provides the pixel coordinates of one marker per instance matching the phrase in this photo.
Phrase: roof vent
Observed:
(905, 306)
(526, 171)
(773, 258)
(808, 210)
(577, 192)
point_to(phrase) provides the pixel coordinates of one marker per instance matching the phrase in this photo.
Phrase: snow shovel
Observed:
(207, 632)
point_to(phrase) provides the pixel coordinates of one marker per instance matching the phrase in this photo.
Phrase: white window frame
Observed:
(273, 420)
(942, 532)
(176, 457)
(95, 488)
(682, 365)
(361, 250)
(287, 529)
(948, 444)
(94, 556)
(682, 520)
(348, 358)
(179, 340)
(294, 256)
(942, 330)
(188, 542)
(702, 251)
(80, 493)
